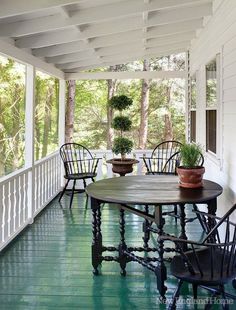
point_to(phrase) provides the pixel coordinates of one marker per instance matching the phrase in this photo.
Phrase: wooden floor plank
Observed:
(49, 265)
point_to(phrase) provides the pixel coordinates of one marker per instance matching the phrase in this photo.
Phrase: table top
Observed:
(151, 189)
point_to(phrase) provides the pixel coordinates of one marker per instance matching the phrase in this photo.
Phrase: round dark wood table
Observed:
(132, 191)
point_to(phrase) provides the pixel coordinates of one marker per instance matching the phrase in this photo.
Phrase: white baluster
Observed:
(1, 215)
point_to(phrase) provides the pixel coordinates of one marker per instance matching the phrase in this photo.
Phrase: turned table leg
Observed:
(122, 245)
(160, 270)
(97, 235)
(212, 206)
(146, 230)
(183, 225)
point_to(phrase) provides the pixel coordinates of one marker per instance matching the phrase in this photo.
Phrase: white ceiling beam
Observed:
(125, 60)
(13, 7)
(123, 56)
(178, 15)
(175, 28)
(117, 38)
(86, 62)
(116, 49)
(49, 39)
(126, 75)
(60, 49)
(64, 12)
(122, 48)
(123, 37)
(70, 57)
(187, 36)
(124, 25)
(101, 14)
(149, 51)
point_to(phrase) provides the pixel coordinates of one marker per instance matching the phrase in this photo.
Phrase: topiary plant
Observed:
(121, 123)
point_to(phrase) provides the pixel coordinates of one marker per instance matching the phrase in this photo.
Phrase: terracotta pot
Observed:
(122, 167)
(190, 177)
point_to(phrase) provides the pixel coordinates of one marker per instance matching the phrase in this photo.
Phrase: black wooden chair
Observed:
(211, 263)
(79, 164)
(164, 158)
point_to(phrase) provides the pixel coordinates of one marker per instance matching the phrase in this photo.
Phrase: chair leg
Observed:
(195, 208)
(224, 305)
(72, 194)
(146, 225)
(63, 192)
(195, 291)
(175, 297)
(84, 183)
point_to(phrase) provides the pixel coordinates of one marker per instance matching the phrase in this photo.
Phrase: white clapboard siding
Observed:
(219, 36)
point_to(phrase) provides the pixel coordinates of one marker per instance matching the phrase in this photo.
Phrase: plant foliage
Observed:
(190, 154)
(120, 103)
(166, 97)
(122, 123)
(122, 145)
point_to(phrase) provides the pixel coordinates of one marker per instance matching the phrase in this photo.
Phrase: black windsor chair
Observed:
(79, 164)
(164, 158)
(211, 263)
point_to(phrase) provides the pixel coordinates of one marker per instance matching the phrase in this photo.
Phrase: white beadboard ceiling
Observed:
(86, 34)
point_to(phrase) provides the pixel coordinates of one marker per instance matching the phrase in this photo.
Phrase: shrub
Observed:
(122, 146)
(120, 103)
(121, 123)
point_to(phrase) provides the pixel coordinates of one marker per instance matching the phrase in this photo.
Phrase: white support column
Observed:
(29, 134)
(62, 113)
(187, 97)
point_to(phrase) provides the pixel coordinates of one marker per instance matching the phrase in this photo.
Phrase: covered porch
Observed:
(49, 265)
(45, 258)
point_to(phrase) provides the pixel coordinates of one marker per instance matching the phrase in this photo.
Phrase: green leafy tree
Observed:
(46, 114)
(12, 115)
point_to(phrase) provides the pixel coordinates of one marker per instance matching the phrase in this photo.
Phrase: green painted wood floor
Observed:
(49, 265)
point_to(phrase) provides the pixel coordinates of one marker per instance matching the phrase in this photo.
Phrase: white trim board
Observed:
(20, 55)
(126, 75)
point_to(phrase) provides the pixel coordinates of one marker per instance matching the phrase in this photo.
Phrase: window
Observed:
(193, 103)
(211, 105)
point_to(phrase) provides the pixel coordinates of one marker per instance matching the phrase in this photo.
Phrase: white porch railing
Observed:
(25, 192)
(21, 199)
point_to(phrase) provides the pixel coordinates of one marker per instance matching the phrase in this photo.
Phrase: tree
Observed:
(111, 91)
(47, 119)
(143, 129)
(165, 107)
(46, 114)
(12, 115)
(70, 111)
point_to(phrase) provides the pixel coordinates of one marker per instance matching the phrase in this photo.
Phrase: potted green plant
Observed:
(121, 145)
(191, 168)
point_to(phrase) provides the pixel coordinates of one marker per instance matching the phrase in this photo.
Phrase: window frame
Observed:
(216, 106)
(193, 109)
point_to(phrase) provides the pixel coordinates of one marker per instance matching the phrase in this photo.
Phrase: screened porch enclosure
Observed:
(51, 42)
